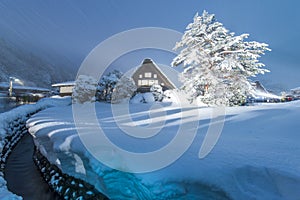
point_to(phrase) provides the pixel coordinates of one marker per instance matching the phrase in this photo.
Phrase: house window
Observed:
(140, 76)
(145, 82)
(148, 75)
(151, 82)
(154, 75)
(139, 82)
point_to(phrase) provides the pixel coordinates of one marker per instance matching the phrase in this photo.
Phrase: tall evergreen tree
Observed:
(217, 64)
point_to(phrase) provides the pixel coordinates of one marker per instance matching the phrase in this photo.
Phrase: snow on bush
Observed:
(107, 85)
(157, 92)
(217, 64)
(176, 97)
(143, 98)
(123, 90)
(84, 89)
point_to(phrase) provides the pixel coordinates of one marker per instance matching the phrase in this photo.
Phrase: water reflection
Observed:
(7, 103)
(23, 177)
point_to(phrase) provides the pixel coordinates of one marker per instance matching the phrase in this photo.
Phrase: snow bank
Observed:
(175, 97)
(10, 132)
(256, 156)
(143, 98)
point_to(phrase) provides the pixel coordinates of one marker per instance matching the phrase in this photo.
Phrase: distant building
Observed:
(149, 74)
(260, 94)
(296, 91)
(22, 93)
(65, 88)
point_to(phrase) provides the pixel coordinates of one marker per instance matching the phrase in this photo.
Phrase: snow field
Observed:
(256, 156)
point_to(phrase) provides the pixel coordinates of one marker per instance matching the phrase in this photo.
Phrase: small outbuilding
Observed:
(65, 88)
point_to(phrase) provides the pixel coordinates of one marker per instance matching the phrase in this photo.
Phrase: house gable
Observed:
(149, 74)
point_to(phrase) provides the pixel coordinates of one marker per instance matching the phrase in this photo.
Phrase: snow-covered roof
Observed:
(31, 88)
(167, 77)
(21, 87)
(295, 89)
(68, 83)
(259, 94)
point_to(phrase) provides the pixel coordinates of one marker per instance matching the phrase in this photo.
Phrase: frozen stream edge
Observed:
(66, 186)
(13, 127)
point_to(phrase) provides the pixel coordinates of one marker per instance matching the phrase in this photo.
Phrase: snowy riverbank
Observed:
(256, 156)
(11, 130)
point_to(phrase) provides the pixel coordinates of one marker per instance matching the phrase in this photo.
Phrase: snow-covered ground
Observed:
(256, 156)
(10, 122)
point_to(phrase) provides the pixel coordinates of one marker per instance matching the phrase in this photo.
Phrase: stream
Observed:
(22, 176)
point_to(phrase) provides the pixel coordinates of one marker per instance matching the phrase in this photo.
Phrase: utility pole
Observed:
(11, 79)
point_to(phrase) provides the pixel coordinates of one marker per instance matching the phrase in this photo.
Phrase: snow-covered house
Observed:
(65, 88)
(296, 91)
(149, 74)
(261, 94)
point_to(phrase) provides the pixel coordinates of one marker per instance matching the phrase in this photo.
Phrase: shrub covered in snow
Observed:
(84, 89)
(157, 92)
(123, 90)
(107, 84)
(143, 98)
(170, 96)
(115, 87)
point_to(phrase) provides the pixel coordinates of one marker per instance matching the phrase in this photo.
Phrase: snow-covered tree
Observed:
(114, 87)
(107, 84)
(157, 92)
(123, 90)
(84, 89)
(217, 64)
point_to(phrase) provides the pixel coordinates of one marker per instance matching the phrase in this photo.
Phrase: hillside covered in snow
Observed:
(31, 69)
